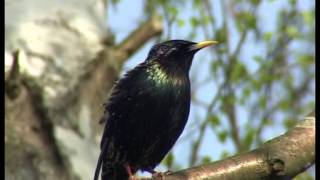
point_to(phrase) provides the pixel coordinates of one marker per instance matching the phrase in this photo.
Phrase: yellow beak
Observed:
(202, 45)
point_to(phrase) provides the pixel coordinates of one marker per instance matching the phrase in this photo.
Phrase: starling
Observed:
(147, 111)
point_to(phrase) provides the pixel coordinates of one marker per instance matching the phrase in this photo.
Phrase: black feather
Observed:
(146, 112)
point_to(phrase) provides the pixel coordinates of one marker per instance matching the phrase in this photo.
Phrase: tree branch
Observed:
(280, 158)
(137, 38)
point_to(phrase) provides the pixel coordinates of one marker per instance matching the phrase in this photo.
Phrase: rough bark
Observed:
(56, 83)
(283, 157)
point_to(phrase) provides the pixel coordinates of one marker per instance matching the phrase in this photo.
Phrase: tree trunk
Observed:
(60, 63)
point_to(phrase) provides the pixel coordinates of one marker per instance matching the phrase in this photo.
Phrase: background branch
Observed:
(196, 144)
(152, 27)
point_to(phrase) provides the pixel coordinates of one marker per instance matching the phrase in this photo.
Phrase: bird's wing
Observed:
(121, 88)
(118, 94)
(97, 171)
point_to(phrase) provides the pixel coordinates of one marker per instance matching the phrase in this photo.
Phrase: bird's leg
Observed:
(131, 176)
(156, 174)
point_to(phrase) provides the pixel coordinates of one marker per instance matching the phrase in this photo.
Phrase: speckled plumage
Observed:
(147, 111)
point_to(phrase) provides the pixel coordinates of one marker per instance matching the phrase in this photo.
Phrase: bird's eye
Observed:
(163, 49)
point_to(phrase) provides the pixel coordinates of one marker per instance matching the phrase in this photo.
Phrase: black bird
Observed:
(147, 111)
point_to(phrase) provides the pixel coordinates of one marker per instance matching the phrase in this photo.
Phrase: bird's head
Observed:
(176, 53)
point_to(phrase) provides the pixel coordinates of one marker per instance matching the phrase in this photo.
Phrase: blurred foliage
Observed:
(168, 161)
(268, 73)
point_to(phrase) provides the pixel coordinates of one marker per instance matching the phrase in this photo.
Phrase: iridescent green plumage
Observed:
(147, 111)
(157, 74)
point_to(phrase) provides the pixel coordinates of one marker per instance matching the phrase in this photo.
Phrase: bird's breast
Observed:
(166, 77)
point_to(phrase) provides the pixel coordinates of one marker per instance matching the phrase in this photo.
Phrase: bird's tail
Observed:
(99, 163)
(109, 173)
(114, 173)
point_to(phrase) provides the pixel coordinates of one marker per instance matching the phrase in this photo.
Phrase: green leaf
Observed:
(308, 17)
(214, 120)
(258, 59)
(172, 10)
(168, 161)
(214, 66)
(206, 160)
(288, 81)
(266, 78)
(239, 72)
(162, 2)
(251, 20)
(194, 22)
(224, 154)
(114, 2)
(311, 105)
(284, 105)
(245, 20)
(293, 2)
(239, 25)
(205, 20)
(228, 100)
(255, 2)
(267, 122)
(267, 36)
(263, 102)
(180, 22)
(196, 3)
(222, 136)
(246, 92)
(220, 35)
(289, 123)
(306, 60)
(248, 140)
(292, 31)
(257, 85)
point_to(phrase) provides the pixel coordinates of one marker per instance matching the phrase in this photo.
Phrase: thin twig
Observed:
(151, 28)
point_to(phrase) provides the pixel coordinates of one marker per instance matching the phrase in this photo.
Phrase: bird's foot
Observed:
(158, 175)
(131, 176)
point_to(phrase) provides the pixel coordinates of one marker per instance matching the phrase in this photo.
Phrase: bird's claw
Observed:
(161, 175)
